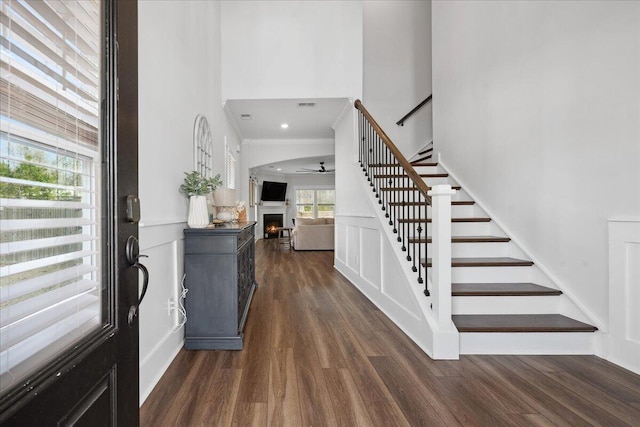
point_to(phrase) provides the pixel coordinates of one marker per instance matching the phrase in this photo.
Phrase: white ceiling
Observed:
(298, 166)
(268, 114)
(305, 122)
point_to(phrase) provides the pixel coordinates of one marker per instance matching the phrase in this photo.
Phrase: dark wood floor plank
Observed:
(602, 374)
(389, 412)
(564, 395)
(250, 415)
(598, 397)
(254, 385)
(544, 404)
(315, 401)
(306, 315)
(529, 420)
(281, 325)
(348, 406)
(157, 405)
(369, 384)
(284, 404)
(221, 396)
(417, 410)
(186, 400)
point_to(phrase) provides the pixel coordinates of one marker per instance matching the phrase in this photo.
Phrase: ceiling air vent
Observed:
(245, 116)
(306, 104)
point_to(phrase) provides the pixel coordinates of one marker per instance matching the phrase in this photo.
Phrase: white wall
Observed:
(537, 111)
(179, 77)
(397, 69)
(286, 49)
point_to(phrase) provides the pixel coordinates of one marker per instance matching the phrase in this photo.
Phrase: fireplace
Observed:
(271, 222)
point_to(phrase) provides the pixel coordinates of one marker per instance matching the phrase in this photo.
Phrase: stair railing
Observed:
(416, 108)
(404, 196)
(401, 192)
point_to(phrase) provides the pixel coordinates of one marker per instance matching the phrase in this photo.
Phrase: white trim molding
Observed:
(623, 338)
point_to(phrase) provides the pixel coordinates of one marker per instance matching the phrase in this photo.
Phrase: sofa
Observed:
(313, 234)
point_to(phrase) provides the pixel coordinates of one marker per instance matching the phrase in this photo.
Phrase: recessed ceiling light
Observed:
(279, 169)
(284, 126)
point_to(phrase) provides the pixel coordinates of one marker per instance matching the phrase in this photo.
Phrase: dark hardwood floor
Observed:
(318, 353)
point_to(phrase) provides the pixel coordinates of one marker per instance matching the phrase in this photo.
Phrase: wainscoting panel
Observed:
(370, 256)
(353, 248)
(372, 266)
(624, 293)
(160, 338)
(393, 284)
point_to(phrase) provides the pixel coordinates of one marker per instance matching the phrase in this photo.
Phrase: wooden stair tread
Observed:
(468, 239)
(468, 219)
(455, 187)
(428, 150)
(453, 203)
(485, 262)
(416, 163)
(421, 159)
(501, 289)
(519, 323)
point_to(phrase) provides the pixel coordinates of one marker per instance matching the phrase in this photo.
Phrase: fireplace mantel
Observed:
(270, 208)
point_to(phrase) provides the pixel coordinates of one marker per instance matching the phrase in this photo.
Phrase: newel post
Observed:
(441, 253)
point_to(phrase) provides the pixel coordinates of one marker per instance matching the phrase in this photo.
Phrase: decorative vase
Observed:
(198, 215)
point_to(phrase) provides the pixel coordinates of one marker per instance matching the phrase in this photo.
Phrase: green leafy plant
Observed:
(197, 185)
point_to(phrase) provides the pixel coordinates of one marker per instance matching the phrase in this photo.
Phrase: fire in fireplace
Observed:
(271, 223)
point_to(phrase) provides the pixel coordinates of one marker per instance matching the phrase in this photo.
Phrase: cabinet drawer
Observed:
(211, 245)
(245, 235)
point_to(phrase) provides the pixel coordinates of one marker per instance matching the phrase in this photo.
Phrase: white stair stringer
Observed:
(509, 342)
(438, 343)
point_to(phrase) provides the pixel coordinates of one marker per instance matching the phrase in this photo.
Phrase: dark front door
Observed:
(68, 207)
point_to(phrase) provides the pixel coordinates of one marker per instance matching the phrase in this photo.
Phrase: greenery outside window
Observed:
(315, 203)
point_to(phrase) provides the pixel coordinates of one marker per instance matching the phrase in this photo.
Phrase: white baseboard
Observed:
(157, 362)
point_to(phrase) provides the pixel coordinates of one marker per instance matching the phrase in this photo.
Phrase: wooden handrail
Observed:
(411, 172)
(410, 113)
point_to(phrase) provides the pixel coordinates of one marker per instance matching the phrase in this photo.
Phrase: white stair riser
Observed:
(457, 211)
(468, 229)
(528, 343)
(506, 305)
(490, 274)
(471, 250)
(428, 169)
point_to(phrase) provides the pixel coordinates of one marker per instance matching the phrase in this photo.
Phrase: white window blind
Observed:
(50, 90)
(230, 168)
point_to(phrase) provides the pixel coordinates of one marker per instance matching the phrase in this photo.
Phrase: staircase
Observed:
(487, 264)
(501, 301)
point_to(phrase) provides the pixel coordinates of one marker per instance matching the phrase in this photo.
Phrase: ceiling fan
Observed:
(321, 170)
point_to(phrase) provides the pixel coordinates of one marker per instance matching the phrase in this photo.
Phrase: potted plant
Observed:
(197, 186)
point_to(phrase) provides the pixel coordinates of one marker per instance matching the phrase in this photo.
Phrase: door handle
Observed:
(133, 256)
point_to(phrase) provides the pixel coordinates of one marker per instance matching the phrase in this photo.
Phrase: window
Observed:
(229, 168)
(203, 147)
(50, 260)
(315, 203)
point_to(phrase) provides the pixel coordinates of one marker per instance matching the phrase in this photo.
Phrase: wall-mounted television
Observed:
(273, 191)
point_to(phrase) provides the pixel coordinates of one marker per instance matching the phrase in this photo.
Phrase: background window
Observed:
(230, 168)
(315, 203)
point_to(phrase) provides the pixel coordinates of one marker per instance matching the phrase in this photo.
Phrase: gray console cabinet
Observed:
(219, 264)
